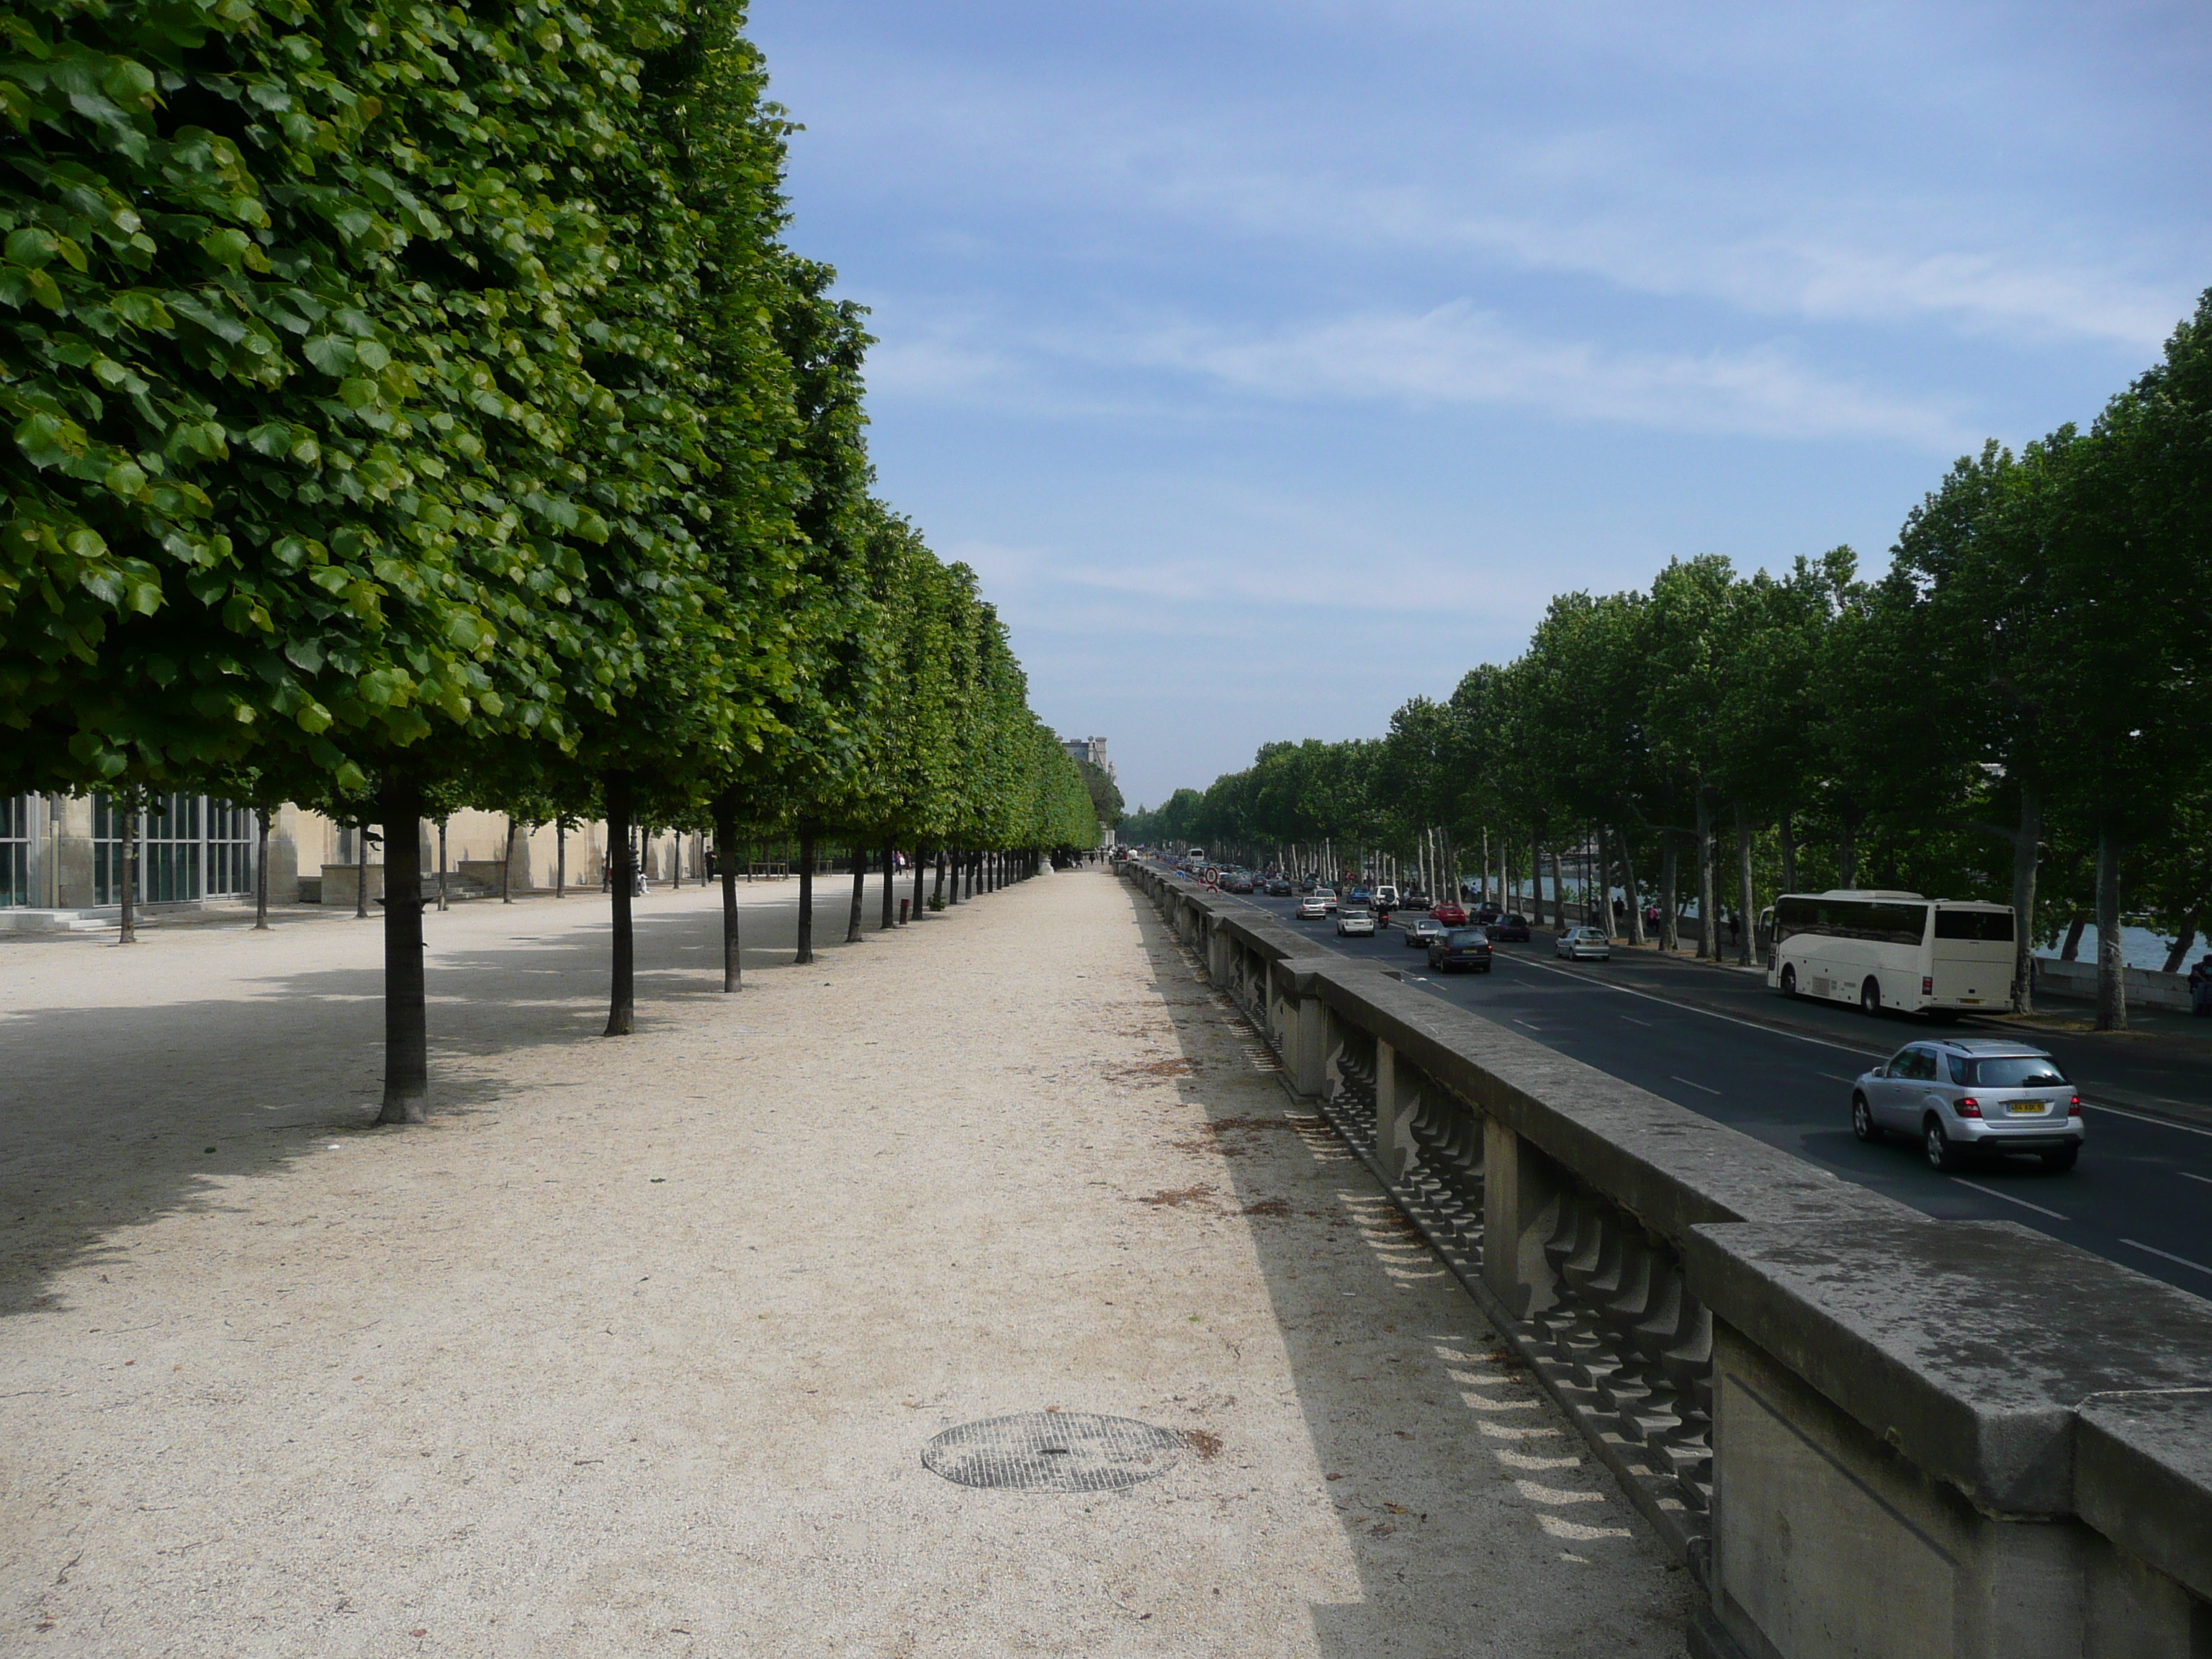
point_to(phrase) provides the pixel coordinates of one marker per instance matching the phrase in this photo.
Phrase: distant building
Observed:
(1089, 749)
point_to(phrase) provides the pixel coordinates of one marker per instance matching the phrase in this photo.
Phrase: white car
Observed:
(1355, 922)
(1386, 897)
(1312, 908)
(1582, 944)
(1328, 897)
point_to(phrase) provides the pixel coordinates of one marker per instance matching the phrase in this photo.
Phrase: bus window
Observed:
(1991, 926)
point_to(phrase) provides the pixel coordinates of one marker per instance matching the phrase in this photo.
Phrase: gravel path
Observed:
(634, 1348)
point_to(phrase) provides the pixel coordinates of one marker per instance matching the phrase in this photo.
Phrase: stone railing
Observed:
(1869, 1432)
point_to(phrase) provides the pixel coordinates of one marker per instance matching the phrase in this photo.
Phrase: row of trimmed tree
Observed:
(2020, 710)
(417, 407)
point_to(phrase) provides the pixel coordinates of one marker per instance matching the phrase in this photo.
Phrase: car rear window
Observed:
(2008, 1071)
(1463, 936)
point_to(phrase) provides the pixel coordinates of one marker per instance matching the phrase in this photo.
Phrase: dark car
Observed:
(1277, 887)
(1511, 928)
(1236, 882)
(1485, 915)
(1461, 947)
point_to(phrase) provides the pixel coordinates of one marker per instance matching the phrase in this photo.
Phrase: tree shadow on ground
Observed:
(1427, 1510)
(113, 1117)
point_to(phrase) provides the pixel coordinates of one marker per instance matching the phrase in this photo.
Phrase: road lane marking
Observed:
(1692, 1008)
(2145, 1117)
(2009, 1199)
(1694, 1085)
(1632, 1020)
(1838, 1077)
(2186, 1175)
(1517, 1020)
(2168, 1254)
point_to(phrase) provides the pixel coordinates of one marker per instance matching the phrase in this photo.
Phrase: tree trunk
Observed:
(890, 880)
(1535, 878)
(1708, 936)
(1637, 935)
(442, 904)
(726, 838)
(1847, 851)
(506, 865)
(2070, 951)
(560, 856)
(260, 871)
(361, 874)
(2112, 958)
(937, 888)
(920, 870)
(2181, 945)
(1787, 834)
(406, 1017)
(853, 931)
(1747, 896)
(621, 882)
(806, 899)
(2027, 859)
(1558, 896)
(127, 932)
(1670, 895)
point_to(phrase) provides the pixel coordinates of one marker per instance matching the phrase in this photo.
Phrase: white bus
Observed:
(1889, 950)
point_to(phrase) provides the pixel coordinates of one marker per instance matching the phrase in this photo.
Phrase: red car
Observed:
(1451, 912)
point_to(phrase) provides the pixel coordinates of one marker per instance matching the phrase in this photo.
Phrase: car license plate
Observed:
(2026, 1108)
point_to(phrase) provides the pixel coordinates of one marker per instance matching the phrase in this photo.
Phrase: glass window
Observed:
(1993, 927)
(1900, 1063)
(2012, 1071)
(16, 817)
(1464, 936)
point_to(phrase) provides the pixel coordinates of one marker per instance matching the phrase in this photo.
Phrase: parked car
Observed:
(1582, 944)
(1964, 1097)
(1451, 912)
(1459, 947)
(1422, 930)
(1312, 908)
(1355, 921)
(1511, 928)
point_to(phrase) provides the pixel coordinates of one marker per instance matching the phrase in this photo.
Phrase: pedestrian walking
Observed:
(2200, 986)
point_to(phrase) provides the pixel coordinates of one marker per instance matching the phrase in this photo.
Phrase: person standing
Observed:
(2200, 986)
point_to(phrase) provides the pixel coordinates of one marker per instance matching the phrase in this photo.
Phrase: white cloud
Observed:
(1457, 353)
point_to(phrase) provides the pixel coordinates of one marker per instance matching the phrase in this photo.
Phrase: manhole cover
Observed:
(1051, 1451)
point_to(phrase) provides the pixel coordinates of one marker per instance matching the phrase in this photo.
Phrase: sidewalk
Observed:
(634, 1348)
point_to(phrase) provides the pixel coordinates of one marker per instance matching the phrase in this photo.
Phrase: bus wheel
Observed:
(1789, 981)
(1870, 997)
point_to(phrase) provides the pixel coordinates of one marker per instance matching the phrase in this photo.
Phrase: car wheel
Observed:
(1862, 1123)
(1870, 996)
(1789, 981)
(1941, 1154)
(2065, 1157)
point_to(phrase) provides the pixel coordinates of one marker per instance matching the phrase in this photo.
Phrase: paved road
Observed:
(1732, 1050)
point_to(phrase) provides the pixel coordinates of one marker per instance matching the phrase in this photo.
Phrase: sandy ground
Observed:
(634, 1348)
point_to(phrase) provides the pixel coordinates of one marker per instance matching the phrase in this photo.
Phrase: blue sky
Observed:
(1274, 362)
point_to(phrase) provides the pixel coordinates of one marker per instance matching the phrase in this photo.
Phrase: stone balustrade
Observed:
(1867, 1432)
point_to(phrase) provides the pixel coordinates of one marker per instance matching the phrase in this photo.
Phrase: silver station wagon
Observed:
(1969, 1097)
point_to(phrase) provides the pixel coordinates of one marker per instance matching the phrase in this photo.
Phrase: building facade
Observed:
(1093, 750)
(62, 856)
